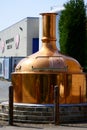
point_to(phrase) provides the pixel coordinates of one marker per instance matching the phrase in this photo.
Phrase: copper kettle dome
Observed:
(36, 75)
(48, 58)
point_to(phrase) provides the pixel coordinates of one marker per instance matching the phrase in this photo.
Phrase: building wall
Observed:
(32, 32)
(16, 40)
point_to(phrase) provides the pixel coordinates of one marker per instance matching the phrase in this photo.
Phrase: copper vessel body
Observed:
(36, 75)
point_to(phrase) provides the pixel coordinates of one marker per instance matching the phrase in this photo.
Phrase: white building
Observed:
(17, 42)
(19, 39)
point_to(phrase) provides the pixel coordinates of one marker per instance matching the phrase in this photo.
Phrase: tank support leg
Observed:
(56, 105)
(10, 105)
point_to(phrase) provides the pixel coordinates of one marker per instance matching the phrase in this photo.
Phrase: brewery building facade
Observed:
(17, 42)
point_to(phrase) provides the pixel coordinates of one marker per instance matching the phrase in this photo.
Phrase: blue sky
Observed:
(12, 11)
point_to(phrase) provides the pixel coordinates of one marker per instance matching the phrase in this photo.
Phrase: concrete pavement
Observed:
(44, 127)
(4, 90)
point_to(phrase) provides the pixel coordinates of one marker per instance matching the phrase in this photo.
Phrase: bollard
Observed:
(10, 105)
(56, 105)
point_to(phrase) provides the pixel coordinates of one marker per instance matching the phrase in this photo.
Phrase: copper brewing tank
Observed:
(37, 74)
